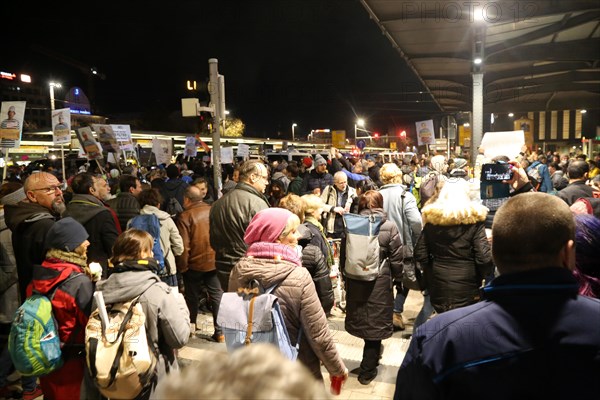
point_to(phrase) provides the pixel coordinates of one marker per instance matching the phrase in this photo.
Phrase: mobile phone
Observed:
(496, 172)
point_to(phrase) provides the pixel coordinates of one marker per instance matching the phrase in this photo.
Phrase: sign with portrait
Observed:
(425, 132)
(106, 137)
(61, 126)
(91, 148)
(11, 123)
(162, 151)
(190, 149)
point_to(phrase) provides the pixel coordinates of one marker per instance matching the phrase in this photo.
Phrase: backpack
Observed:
(253, 315)
(173, 207)
(362, 247)
(151, 224)
(534, 176)
(121, 360)
(34, 343)
(427, 188)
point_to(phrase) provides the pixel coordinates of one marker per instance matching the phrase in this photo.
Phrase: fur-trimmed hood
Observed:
(453, 206)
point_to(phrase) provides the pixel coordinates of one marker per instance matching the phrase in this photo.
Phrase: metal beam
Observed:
(575, 50)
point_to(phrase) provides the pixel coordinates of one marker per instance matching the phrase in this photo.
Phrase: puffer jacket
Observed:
(314, 261)
(193, 226)
(98, 221)
(167, 316)
(126, 206)
(455, 254)
(171, 242)
(370, 305)
(315, 180)
(229, 218)
(300, 306)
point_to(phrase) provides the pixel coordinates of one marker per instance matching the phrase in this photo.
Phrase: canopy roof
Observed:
(538, 55)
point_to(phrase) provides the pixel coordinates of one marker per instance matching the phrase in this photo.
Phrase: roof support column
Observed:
(477, 115)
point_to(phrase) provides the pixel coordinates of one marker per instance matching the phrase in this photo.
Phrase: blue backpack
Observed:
(151, 224)
(33, 343)
(253, 315)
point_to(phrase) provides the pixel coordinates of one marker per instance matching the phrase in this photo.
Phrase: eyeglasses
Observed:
(49, 189)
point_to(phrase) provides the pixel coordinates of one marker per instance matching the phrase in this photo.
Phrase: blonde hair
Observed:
(258, 371)
(313, 203)
(453, 206)
(390, 173)
(291, 224)
(294, 203)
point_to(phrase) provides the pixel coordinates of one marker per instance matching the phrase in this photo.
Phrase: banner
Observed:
(89, 145)
(162, 151)
(425, 133)
(190, 149)
(12, 126)
(61, 126)
(106, 137)
(503, 144)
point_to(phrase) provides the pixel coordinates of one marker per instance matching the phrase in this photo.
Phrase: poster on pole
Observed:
(190, 149)
(503, 143)
(106, 137)
(425, 133)
(227, 155)
(123, 135)
(11, 126)
(89, 145)
(162, 150)
(61, 126)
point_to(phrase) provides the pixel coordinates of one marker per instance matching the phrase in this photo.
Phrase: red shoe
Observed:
(34, 394)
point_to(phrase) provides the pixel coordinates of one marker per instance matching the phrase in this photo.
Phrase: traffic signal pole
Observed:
(217, 99)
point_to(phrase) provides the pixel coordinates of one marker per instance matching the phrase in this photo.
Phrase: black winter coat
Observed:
(456, 259)
(314, 261)
(370, 305)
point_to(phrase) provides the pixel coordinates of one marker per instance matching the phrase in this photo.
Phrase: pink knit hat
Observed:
(267, 225)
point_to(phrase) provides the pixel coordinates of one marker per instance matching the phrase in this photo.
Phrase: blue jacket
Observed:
(546, 184)
(533, 337)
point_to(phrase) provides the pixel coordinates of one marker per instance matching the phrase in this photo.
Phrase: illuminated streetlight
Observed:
(359, 122)
(511, 115)
(52, 86)
(293, 136)
(583, 111)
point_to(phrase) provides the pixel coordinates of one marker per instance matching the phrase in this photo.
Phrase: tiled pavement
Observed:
(350, 349)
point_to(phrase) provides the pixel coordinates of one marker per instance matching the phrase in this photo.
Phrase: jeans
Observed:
(28, 383)
(425, 312)
(192, 281)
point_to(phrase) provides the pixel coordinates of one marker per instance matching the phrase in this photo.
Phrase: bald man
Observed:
(533, 336)
(30, 220)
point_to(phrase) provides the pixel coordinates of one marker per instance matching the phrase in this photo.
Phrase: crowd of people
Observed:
(527, 273)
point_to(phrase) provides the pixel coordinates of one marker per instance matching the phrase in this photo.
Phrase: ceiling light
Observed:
(477, 60)
(583, 111)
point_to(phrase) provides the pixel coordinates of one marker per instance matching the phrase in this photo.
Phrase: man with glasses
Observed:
(231, 215)
(337, 198)
(30, 219)
(88, 207)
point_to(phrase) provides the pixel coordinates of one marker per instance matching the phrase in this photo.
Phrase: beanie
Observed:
(66, 234)
(267, 225)
(319, 160)
(114, 173)
(438, 163)
(14, 197)
(307, 161)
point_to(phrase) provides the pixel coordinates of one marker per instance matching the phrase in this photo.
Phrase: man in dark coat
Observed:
(126, 204)
(577, 188)
(29, 221)
(88, 208)
(174, 187)
(231, 215)
(533, 332)
(318, 179)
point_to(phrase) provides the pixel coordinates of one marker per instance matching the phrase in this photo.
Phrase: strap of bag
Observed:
(404, 221)
(269, 291)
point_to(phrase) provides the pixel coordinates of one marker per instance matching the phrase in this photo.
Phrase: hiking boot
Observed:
(365, 379)
(398, 322)
(34, 394)
(192, 329)
(218, 337)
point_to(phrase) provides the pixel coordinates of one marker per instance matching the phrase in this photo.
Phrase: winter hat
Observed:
(267, 225)
(439, 164)
(307, 161)
(319, 160)
(114, 173)
(459, 163)
(66, 234)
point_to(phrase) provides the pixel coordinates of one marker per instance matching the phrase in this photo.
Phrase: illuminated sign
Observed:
(7, 75)
(80, 112)
(25, 78)
(191, 85)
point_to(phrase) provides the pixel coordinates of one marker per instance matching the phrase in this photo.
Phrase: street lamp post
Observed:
(52, 108)
(293, 136)
(359, 122)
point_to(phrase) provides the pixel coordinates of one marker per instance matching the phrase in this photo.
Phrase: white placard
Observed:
(87, 142)
(162, 150)
(190, 149)
(243, 150)
(227, 155)
(61, 126)
(503, 143)
(106, 137)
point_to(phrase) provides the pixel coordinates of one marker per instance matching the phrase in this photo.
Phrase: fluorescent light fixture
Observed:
(477, 61)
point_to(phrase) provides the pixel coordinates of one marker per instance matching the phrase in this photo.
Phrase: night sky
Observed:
(318, 63)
